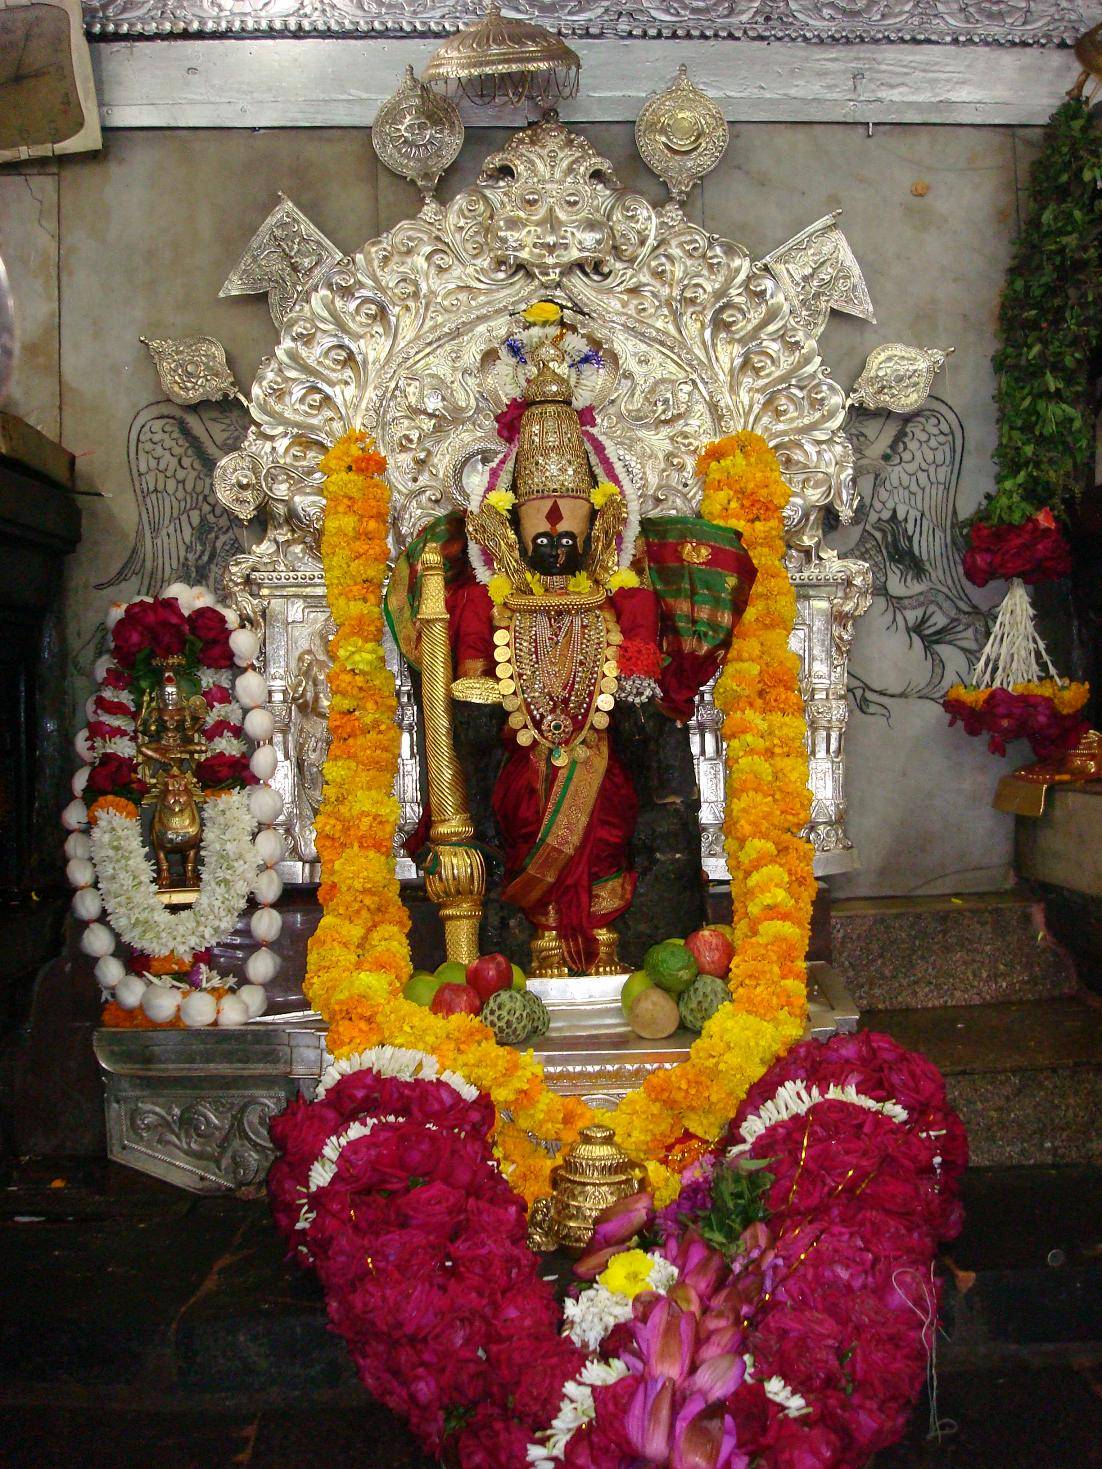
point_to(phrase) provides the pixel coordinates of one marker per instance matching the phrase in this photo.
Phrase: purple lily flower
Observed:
(647, 1420)
(705, 1439)
(667, 1337)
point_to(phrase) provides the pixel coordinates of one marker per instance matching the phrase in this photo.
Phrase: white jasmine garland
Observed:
(405, 1064)
(576, 1409)
(226, 744)
(126, 880)
(591, 1317)
(794, 1099)
(778, 1391)
(118, 745)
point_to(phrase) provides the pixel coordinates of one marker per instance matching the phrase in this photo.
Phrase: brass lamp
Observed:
(500, 61)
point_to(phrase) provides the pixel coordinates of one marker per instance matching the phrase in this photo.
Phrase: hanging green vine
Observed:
(1050, 329)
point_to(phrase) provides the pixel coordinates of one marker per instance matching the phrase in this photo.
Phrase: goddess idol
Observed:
(565, 608)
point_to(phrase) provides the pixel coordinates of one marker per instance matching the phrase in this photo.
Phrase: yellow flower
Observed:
(499, 588)
(542, 313)
(502, 500)
(602, 493)
(627, 1274)
(579, 582)
(624, 578)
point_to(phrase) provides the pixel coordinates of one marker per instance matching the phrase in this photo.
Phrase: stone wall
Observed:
(136, 241)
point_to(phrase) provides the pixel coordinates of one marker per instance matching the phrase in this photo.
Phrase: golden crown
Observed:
(551, 453)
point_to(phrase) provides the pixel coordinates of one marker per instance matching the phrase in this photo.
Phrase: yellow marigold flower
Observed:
(624, 578)
(602, 493)
(542, 313)
(502, 500)
(499, 588)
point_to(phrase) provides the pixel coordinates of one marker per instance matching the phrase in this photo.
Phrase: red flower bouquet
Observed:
(795, 1336)
(1034, 551)
(158, 625)
(1027, 712)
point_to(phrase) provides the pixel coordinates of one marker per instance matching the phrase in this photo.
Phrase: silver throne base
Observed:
(591, 1052)
(192, 1107)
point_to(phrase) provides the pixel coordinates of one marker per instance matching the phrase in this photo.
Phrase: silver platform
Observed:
(193, 1106)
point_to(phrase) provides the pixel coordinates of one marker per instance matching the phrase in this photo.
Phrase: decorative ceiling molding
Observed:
(977, 22)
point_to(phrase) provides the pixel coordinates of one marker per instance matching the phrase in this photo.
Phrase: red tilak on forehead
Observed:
(554, 516)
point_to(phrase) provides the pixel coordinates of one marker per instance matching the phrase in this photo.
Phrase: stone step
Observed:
(910, 953)
(122, 1290)
(1026, 1077)
(1028, 1267)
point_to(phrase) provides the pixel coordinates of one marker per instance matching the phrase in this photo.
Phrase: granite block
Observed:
(1026, 1078)
(969, 952)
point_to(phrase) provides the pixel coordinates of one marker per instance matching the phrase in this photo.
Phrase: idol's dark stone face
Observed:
(555, 554)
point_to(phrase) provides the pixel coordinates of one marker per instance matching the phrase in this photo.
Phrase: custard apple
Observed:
(507, 1015)
(701, 1000)
(539, 1021)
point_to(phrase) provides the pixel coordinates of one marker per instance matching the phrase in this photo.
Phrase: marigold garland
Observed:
(359, 957)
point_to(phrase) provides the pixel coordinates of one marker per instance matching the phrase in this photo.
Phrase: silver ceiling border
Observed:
(976, 22)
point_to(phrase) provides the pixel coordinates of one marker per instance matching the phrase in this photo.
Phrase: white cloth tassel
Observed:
(1014, 652)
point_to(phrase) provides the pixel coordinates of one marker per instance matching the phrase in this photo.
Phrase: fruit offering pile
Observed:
(682, 982)
(490, 988)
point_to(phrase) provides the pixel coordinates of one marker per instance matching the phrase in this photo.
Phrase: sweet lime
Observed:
(520, 981)
(451, 972)
(634, 985)
(670, 965)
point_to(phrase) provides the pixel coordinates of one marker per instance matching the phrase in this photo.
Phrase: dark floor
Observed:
(144, 1327)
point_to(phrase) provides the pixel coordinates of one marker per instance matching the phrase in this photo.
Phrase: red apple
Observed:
(712, 950)
(488, 974)
(455, 999)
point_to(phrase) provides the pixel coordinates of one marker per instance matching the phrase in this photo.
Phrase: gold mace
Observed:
(455, 873)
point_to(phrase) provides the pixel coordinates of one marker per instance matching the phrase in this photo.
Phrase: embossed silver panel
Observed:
(193, 1107)
(1028, 22)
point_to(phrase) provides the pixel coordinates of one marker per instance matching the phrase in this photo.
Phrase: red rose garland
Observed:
(800, 1341)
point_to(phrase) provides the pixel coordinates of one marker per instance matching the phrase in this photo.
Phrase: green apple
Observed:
(451, 972)
(421, 987)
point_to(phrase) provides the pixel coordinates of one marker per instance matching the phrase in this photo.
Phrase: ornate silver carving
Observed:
(898, 377)
(1029, 22)
(818, 271)
(700, 343)
(192, 369)
(237, 483)
(681, 135)
(831, 593)
(285, 257)
(309, 742)
(417, 134)
(196, 1113)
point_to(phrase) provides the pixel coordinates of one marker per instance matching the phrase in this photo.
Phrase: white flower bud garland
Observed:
(108, 866)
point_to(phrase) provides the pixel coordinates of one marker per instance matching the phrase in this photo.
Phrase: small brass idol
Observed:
(595, 1173)
(170, 745)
